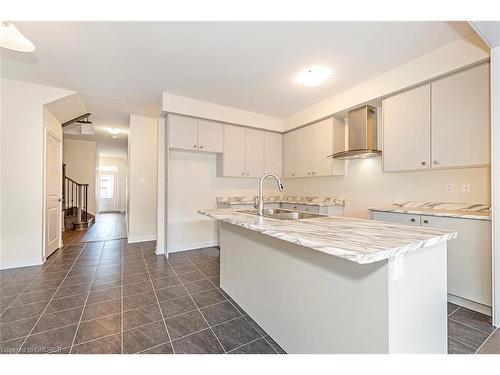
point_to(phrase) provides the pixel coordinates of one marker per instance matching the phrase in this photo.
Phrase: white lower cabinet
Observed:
(469, 255)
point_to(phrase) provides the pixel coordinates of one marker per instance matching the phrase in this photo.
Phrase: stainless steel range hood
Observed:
(362, 133)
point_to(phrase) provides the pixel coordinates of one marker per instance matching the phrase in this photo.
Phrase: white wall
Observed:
(197, 108)
(121, 179)
(192, 185)
(21, 194)
(452, 57)
(365, 185)
(81, 163)
(142, 164)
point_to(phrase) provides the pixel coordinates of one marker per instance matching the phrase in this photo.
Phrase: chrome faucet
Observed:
(260, 202)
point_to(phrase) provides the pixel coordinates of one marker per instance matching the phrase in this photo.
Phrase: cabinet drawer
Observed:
(398, 218)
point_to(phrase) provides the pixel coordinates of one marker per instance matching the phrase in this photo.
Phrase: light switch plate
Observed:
(450, 188)
(466, 187)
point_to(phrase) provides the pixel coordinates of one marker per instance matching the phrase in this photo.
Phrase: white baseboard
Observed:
(471, 305)
(5, 265)
(141, 239)
(190, 246)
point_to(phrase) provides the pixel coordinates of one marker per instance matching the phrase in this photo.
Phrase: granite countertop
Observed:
(294, 199)
(357, 240)
(459, 210)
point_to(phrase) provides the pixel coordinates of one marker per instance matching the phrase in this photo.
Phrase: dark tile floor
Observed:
(471, 332)
(114, 297)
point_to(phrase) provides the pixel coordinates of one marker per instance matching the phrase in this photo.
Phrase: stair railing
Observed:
(75, 198)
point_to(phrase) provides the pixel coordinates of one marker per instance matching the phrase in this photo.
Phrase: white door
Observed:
(407, 130)
(254, 153)
(234, 151)
(107, 192)
(53, 194)
(210, 136)
(461, 119)
(273, 154)
(183, 132)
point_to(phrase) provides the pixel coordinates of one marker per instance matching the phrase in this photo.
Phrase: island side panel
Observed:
(418, 301)
(308, 301)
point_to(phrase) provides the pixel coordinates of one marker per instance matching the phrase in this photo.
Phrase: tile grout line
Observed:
(248, 343)
(454, 311)
(461, 342)
(156, 297)
(48, 303)
(468, 326)
(192, 299)
(31, 282)
(86, 299)
(480, 346)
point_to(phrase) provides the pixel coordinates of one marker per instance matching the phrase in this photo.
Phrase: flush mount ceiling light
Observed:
(113, 131)
(12, 38)
(314, 75)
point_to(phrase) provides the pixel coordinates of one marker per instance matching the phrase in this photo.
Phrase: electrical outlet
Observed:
(466, 187)
(450, 188)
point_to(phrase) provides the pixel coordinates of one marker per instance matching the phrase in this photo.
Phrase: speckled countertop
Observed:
(459, 210)
(357, 240)
(295, 199)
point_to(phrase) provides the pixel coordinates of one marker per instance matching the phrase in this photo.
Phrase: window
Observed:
(107, 186)
(108, 168)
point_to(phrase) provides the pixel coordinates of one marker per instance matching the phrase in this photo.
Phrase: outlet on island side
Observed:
(450, 188)
(466, 187)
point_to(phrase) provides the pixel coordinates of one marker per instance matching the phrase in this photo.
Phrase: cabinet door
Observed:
(233, 160)
(289, 154)
(254, 153)
(322, 147)
(407, 130)
(210, 136)
(273, 153)
(304, 152)
(398, 218)
(469, 257)
(338, 145)
(183, 132)
(461, 119)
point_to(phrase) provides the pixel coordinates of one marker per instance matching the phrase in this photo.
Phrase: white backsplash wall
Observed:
(365, 185)
(194, 185)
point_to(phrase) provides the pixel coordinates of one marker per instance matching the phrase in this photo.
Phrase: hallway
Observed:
(108, 226)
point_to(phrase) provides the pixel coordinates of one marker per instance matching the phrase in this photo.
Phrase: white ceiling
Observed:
(122, 67)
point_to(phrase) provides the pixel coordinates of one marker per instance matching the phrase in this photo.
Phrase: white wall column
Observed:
(495, 180)
(162, 187)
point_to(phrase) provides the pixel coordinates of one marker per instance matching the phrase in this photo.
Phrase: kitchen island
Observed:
(336, 284)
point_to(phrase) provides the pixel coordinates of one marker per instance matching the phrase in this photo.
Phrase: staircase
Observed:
(75, 198)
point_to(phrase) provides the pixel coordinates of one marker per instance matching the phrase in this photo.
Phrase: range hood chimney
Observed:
(362, 134)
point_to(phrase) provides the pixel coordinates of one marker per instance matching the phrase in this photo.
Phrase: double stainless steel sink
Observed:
(280, 214)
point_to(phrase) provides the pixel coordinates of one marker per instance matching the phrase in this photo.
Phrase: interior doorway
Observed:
(108, 189)
(53, 193)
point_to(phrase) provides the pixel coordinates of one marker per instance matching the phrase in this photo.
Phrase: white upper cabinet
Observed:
(306, 150)
(254, 152)
(233, 160)
(273, 153)
(210, 136)
(461, 119)
(189, 133)
(289, 155)
(407, 130)
(183, 132)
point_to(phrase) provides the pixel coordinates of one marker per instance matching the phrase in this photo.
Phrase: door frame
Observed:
(58, 137)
